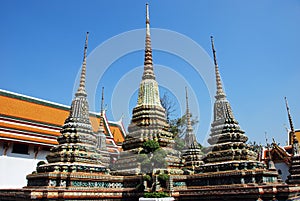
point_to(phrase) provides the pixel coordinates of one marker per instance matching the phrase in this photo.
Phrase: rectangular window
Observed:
(20, 149)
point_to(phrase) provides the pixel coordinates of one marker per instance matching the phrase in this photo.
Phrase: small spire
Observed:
(190, 137)
(289, 115)
(102, 102)
(220, 92)
(295, 140)
(81, 89)
(101, 139)
(101, 124)
(188, 114)
(148, 63)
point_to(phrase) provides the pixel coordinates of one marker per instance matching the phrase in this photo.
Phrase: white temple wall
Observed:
(15, 167)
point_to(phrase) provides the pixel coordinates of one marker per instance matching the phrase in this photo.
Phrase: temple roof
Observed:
(35, 121)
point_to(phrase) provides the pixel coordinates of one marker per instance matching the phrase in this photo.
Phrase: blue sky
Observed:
(257, 45)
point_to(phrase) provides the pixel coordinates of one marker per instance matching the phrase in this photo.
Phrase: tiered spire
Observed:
(81, 89)
(192, 155)
(148, 63)
(190, 137)
(149, 121)
(101, 138)
(101, 125)
(148, 92)
(229, 157)
(148, 117)
(228, 141)
(77, 133)
(220, 92)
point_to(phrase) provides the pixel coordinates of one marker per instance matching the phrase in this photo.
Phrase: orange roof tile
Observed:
(31, 115)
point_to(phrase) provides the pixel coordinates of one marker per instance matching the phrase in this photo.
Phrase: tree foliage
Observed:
(152, 156)
(150, 146)
(169, 105)
(178, 126)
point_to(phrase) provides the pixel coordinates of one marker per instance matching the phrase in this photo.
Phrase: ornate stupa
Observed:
(149, 120)
(229, 155)
(148, 117)
(192, 153)
(77, 150)
(294, 177)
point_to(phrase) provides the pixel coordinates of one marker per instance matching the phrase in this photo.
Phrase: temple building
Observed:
(284, 157)
(78, 166)
(29, 128)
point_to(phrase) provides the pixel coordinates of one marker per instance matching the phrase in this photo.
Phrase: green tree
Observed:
(178, 126)
(150, 146)
(152, 156)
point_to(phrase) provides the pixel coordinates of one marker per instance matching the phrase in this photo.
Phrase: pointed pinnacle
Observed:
(295, 140)
(289, 115)
(147, 20)
(188, 115)
(220, 92)
(101, 124)
(81, 89)
(147, 14)
(102, 102)
(148, 63)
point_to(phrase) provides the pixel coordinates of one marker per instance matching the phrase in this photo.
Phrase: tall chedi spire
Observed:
(227, 140)
(223, 115)
(192, 153)
(148, 92)
(76, 151)
(148, 117)
(294, 177)
(149, 121)
(229, 159)
(77, 135)
(148, 63)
